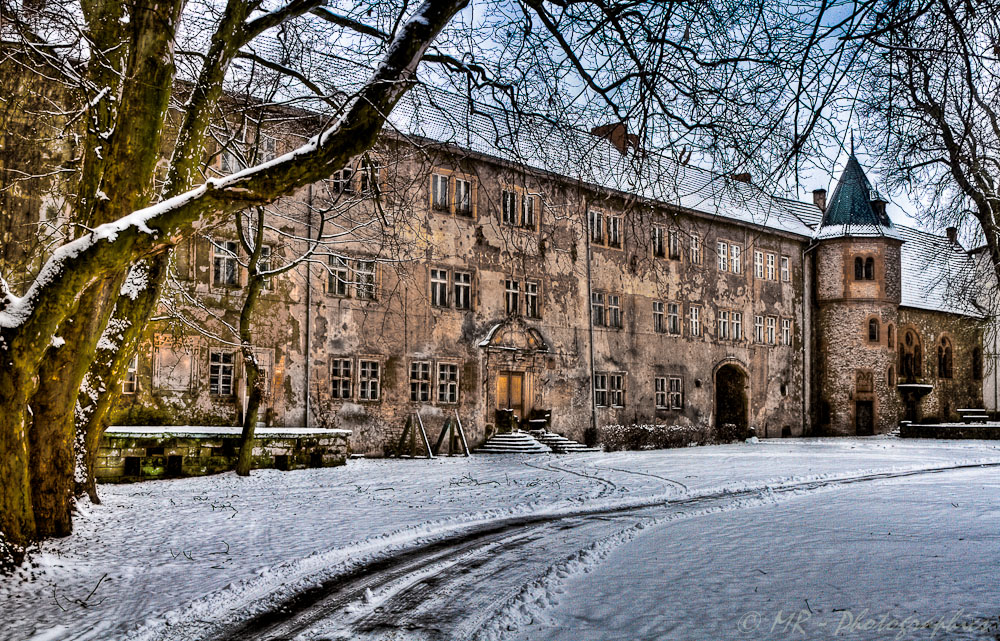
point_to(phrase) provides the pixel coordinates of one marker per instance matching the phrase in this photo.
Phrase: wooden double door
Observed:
(510, 392)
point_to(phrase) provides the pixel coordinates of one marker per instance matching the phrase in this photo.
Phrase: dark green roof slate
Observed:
(851, 202)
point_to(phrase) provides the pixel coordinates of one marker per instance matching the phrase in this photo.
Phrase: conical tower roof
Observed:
(850, 211)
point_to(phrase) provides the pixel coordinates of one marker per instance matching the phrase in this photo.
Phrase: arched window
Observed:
(910, 357)
(859, 269)
(869, 268)
(944, 354)
(872, 330)
(977, 363)
(890, 336)
(890, 376)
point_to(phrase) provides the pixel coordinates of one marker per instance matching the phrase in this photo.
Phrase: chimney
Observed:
(952, 235)
(617, 134)
(742, 178)
(878, 206)
(819, 198)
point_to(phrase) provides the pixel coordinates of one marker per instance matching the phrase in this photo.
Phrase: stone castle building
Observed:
(467, 265)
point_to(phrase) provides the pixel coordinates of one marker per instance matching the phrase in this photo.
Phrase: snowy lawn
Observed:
(913, 558)
(160, 551)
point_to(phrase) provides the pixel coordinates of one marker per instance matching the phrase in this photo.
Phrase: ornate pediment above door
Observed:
(514, 335)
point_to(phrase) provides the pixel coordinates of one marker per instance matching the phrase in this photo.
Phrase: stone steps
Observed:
(514, 443)
(560, 444)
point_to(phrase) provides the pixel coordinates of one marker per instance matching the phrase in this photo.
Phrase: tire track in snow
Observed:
(405, 585)
(608, 487)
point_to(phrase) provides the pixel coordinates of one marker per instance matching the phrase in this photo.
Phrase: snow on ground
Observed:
(911, 558)
(160, 551)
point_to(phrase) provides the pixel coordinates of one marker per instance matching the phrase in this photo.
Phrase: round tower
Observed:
(857, 261)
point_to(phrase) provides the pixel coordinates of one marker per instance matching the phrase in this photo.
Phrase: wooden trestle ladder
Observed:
(452, 428)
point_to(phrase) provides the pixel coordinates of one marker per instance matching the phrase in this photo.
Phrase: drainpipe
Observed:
(807, 341)
(590, 315)
(308, 383)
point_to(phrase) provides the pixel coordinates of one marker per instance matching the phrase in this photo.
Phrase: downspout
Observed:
(807, 341)
(590, 317)
(308, 382)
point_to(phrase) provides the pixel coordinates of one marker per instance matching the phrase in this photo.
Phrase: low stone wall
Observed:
(135, 453)
(951, 430)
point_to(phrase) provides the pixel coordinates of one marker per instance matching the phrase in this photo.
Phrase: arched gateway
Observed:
(731, 399)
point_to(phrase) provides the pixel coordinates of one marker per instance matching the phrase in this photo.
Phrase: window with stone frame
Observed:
(660, 399)
(676, 393)
(695, 250)
(736, 319)
(369, 177)
(420, 381)
(130, 382)
(339, 277)
(529, 211)
(873, 330)
(659, 242)
(890, 336)
(722, 249)
(447, 380)
(365, 272)
(508, 207)
(440, 192)
(786, 272)
(600, 389)
(616, 389)
(673, 319)
(225, 267)
(463, 197)
(221, 370)
(341, 378)
(735, 259)
(264, 266)
(859, 268)
(786, 331)
(597, 308)
(770, 267)
(694, 320)
(910, 356)
(945, 358)
(722, 327)
(674, 244)
(532, 306)
(614, 224)
(463, 290)
(342, 182)
(758, 264)
(512, 297)
(369, 380)
(614, 311)
(758, 329)
(659, 324)
(596, 225)
(869, 268)
(439, 287)
(771, 329)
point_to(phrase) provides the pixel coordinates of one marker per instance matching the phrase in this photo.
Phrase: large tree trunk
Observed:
(17, 519)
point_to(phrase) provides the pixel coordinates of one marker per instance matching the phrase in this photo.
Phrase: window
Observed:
(439, 191)
(508, 207)
(224, 263)
(660, 393)
(615, 231)
(694, 316)
(340, 378)
(616, 390)
(368, 178)
(600, 390)
(890, 376)
(722, 249)
(365, 272)
(786, 274)
(267, 148)
(695, 250)
(447, 383)
(439, 287)
(529, 209)
(420, 381)
(512, 302)
(531, 308)
(220, 373)
(463, 290)
(369, 383)
(723, 329)
(869, 269)
(674, 244)
(786, 331)
(859, 269)
(659, 242)
(676, 393)
(129, 383)
(658, 325)
(596, 223)
(771, 323)
(737, 326)
(890, 336)
(910, 357)
(673, 318)
(944, 353)
(340, 277)
(342, 182)
(232, 158)
(758, 329)
(758, 264)
(597, 309)
(873, 330)
(463, 197)
(264, 265)
(614, 311)
(770, 267)
(734, 259)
